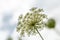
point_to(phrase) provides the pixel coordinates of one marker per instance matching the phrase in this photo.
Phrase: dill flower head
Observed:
(32, 20)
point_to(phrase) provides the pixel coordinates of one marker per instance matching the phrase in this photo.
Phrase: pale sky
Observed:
(14, 8)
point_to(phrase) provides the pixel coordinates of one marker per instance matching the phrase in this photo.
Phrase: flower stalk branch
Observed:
(39, 33)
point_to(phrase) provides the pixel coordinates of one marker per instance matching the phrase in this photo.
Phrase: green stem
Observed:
(39, 34)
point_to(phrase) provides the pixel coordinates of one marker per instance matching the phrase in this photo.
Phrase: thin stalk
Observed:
(39, 34)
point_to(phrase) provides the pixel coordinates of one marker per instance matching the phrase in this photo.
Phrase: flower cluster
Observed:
(32, 20)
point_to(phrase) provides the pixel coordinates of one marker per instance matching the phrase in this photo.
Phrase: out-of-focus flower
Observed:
(51, 23)
(28, 23)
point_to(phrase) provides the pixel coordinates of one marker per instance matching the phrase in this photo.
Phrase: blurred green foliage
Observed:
(9, 38)
(51, 23)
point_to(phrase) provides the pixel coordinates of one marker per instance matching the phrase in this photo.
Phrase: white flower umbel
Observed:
(31, 22)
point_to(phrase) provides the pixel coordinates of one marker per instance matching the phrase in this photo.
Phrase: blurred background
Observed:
(11, 9)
